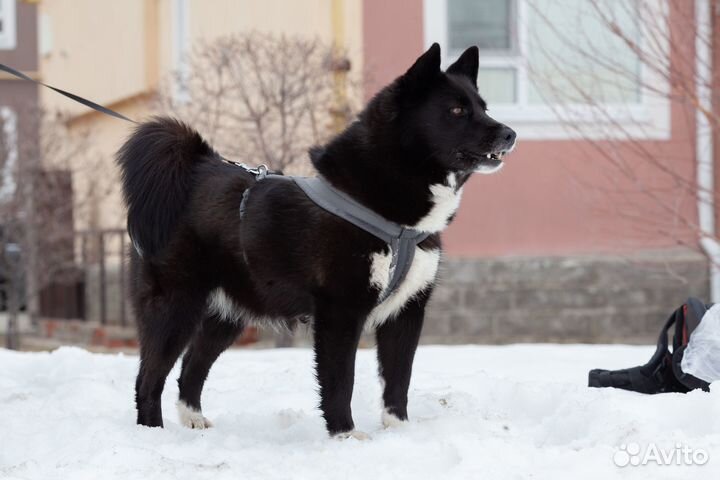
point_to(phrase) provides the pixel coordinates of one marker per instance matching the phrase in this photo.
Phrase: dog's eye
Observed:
(458, 111)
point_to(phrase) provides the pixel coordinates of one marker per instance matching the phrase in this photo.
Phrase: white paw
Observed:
(356, 434)
(391, 420)
(191, 417)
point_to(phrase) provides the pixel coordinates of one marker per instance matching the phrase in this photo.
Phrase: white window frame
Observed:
(180, 50)
(8, 35)
(647, 119)
(9, 130)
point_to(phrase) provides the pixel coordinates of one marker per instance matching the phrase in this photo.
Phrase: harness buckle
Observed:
(260, 172)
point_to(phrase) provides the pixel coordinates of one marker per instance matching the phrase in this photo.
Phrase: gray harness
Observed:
(402, 240)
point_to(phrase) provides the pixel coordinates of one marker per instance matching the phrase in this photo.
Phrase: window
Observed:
(542, 61)
(8, 39)
(492, 26)
(8, 152)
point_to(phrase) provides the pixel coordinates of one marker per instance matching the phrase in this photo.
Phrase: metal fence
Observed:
(102, 257)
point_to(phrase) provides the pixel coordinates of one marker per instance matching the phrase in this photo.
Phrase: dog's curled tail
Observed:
(157, 164)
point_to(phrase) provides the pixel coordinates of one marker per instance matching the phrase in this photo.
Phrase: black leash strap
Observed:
(72, 96)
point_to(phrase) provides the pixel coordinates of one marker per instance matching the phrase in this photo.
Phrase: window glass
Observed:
(573, 57)
(485, 23)
(7, 24)
(497, 85)
(8, 154)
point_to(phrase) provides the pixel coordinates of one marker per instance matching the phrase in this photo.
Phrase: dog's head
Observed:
(442, 113)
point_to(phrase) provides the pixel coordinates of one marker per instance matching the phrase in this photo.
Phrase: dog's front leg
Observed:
(337, 332)
(397, 340)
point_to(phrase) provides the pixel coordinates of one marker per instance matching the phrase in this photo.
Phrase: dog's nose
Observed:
(508, 134)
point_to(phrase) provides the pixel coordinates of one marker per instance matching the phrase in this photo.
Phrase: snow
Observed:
(495, 412)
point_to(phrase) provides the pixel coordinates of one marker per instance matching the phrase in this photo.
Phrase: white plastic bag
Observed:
(701, 358)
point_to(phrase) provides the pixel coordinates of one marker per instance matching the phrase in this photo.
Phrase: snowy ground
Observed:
(511, 412)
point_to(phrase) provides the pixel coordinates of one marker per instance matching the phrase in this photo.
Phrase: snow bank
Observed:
(477, 412)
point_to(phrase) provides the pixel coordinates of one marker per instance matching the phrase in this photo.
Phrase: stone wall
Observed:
(595, 299)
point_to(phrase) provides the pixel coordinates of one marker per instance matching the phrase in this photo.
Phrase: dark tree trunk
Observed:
(12, 335)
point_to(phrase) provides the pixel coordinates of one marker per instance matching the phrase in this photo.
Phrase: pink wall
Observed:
(24, 57)
(552, 197)
(392, 38)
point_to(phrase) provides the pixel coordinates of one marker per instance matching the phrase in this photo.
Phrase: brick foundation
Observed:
(93, 334)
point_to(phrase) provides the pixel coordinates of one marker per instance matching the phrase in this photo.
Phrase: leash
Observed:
(90, 104)
(259, 172)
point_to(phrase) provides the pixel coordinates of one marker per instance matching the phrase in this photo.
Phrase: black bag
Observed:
(662, 373)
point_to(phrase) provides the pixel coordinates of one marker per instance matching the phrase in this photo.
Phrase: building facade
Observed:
(18, 48)
(589, 233)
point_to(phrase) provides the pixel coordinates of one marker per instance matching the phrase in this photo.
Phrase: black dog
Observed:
(200, 273)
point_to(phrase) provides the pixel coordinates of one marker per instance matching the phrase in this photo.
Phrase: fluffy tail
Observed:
(157, 164)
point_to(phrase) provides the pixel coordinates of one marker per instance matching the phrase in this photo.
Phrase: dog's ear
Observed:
(466, 65)
(425, 68)
(316, 153)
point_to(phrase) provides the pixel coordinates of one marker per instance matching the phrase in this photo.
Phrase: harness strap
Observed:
(402, 240)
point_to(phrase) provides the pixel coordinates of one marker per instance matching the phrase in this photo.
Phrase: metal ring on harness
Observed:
(260, 172)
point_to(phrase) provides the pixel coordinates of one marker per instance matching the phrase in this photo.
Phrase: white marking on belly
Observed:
(191, 417)
(446, 200)
(221, 304)
(421, 274)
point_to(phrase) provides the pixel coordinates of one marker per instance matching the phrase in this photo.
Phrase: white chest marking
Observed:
(446, 200)
(421, 274)
(380, 269)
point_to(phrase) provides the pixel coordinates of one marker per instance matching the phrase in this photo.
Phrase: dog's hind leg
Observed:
(166, 324)
(211, 339)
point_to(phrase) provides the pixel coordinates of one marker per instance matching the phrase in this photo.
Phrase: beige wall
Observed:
(116, 52)
(111, 51)
(304, 17)
(95, 49)
(311, 18)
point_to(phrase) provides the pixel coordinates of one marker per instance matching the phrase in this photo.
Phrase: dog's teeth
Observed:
(488, 155)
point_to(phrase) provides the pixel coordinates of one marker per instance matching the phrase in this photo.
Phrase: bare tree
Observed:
(38, 209)
(262, 98)
(592, 73)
